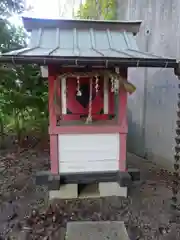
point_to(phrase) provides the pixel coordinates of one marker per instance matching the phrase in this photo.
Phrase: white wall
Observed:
(88, 152)
(162, 19)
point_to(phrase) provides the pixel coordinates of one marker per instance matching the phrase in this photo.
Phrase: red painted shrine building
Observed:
(87, 64)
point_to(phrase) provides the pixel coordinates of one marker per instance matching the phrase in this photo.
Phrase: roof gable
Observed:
(84, 42)
(36, 23)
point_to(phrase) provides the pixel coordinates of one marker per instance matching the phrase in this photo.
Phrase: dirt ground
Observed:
(25, 212)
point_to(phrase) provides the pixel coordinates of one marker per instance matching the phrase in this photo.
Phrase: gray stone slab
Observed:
(112, 230)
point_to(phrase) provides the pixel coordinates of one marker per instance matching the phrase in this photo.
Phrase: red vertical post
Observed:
(52, 124)
(122, 120)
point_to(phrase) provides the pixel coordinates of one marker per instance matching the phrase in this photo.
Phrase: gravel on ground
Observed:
(25, 212)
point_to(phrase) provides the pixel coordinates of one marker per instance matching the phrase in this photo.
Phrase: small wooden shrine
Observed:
(87, 68)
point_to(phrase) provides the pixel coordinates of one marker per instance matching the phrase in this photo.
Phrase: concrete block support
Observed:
(67, 191)
(102, 189)
(112, 189)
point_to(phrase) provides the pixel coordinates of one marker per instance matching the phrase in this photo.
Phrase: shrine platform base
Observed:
(86, 185)
(96, 230)
(96, 190)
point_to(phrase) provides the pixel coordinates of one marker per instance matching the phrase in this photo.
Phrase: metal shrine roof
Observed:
(83, 42)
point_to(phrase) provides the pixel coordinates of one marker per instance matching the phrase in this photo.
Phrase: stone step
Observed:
(105, 230)
(102, 189)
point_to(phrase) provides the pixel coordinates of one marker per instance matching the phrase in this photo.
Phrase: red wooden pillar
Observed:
(122, 121)
(52, 125)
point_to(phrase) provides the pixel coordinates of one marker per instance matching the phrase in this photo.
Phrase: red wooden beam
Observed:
(70, 117)
(87, 129)
(52, 123)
